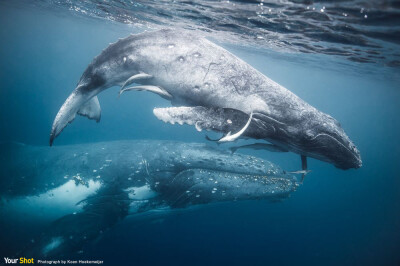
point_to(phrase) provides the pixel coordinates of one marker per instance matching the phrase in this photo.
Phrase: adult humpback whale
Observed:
(74, 193)
(191, 71)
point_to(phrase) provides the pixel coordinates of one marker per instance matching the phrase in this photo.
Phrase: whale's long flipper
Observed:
(260, 146)
(224, 120)
(155, 89)
(140, 76)
(218, 119)
(209, 118)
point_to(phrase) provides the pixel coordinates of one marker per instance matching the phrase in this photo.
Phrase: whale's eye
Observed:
(181, 59)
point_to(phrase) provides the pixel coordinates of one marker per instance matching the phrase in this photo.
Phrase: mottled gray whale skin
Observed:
(77, 192)
(191, 71)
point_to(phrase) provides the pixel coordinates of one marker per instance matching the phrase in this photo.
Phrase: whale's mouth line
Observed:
(337, 141)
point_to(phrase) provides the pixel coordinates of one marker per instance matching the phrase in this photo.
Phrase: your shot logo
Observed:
(11, 260)
(20, 260)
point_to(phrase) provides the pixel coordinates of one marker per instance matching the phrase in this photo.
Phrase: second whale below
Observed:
(73, 194)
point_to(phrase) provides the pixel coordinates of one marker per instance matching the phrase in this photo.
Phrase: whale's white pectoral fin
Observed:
(155, 89)
(91, 109)
(184, 115)
(235, 136)
(218, 119)
(140, 76)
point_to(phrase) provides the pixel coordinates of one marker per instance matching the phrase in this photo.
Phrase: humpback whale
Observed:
(76, 192)
(205, 80)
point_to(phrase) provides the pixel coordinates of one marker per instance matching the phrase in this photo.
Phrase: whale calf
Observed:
(76, 192)
(197, 75)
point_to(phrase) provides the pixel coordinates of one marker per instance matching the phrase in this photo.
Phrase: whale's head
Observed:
(203, 186)
(325, 139)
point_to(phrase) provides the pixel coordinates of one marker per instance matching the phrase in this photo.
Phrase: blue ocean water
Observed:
(335, 217)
